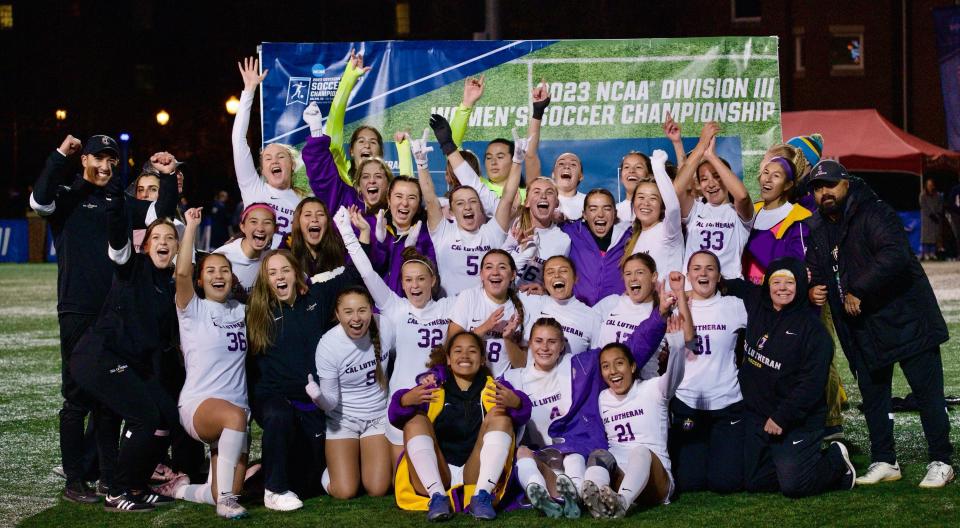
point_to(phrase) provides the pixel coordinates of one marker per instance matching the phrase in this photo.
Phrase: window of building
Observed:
(846, 50)
(745, 10)
(6, 16)
(798, 40)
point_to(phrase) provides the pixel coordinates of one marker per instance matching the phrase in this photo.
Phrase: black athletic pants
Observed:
(143, 404)
(78, 449)
(706, 447)
(792, 463)
(924, 373)
(293, 445)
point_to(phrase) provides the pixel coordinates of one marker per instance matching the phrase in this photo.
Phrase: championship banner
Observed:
(947, 23)
(608, 97)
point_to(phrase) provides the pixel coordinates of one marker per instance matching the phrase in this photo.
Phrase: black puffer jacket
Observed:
(871, 258)
(788, 354)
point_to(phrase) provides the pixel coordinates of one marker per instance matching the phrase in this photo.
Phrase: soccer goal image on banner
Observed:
(608, 97)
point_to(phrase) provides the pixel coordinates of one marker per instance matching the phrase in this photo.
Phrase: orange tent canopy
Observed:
(863, 140)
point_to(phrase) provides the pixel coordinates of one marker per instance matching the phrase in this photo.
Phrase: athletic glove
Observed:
(441, 129)
(413, 234)
(520, 146)
(381, 230)
(342, 221)
(313, 117)
(313, 390)
(420, 149)
(539, 107)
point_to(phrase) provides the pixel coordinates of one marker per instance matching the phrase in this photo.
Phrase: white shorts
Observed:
(188, 408)
(394, 435)
(340, 427)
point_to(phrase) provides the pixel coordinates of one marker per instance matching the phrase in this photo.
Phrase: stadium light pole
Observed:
(163, 117)
(232, 105)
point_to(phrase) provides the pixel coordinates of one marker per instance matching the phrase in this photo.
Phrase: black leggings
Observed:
(293, 445)
(147, 408)
(706, 447)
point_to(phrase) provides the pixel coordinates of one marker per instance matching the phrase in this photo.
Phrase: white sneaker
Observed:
(846, 459)
(286, 501)
(938, 475)
(880, 472)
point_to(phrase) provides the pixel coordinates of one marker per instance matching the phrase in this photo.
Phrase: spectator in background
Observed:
(952, 207)
(931, 214)
(220, 217)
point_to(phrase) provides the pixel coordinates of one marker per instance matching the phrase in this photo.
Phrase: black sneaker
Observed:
(126, 502)
(150, 497)
(80, 492)
(102, 488)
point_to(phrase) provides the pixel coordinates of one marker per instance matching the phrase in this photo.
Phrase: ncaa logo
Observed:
(318, 70)
(297, 90)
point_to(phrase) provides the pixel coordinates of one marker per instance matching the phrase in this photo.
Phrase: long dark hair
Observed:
(330, 251)
(626, 353)
(354, 164)
(421, 214)
(650, 264)
(262, 304)
(511, 291)
(440, 354)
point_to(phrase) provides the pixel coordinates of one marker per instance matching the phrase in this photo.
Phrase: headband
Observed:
(787, 166)
(418, 261)
(254, 206)
(783, 272)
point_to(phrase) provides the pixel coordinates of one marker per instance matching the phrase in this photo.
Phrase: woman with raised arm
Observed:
(460, 245)
(258, 223)
(597, 244)
(722, 220)
(565, 425)
(273, 184)
(635, 167)
(213, 403)
(656, 228)
(366, 142)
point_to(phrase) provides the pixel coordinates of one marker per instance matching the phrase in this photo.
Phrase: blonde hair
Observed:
(526, 222)
(388, 173)
(295, 162)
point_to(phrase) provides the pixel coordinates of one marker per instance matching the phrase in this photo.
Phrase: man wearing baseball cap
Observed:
(76, 211)
(884, 311)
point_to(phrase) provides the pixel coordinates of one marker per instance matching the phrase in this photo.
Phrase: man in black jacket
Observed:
(884, 311)
(77, 213)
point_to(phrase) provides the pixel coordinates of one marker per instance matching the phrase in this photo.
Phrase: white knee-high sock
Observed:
(528, 473)
(493, 455)
(230, 445)
(598, 475)
(574, 466)
(199, 493)
(635, 475)
(423, 457)
(325, 480)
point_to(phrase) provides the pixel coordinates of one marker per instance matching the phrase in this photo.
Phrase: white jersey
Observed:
(253, 188)
(417, 331)
(548, 242)
(353, 363)
(638, 418)
(620, 318)
(625, 211)
(664, 241)
(471, 309)
(710, 374)
(459, 253)
(581, 324)
(572, 206)
(214, 343)
(720, 230)
(551, 394)
(245, 268)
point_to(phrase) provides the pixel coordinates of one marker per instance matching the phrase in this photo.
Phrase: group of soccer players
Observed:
(508, 341)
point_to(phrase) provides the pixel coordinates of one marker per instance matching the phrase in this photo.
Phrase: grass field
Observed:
(29, 492)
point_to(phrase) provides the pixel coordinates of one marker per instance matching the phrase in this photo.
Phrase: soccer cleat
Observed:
(481, 506)
(612, 503)
(541, 500)
(126, 502)
(80, 492)
(880, 472)
(229, 508)
(938, 475)
(170, 487)
(150, 497)
(851, 472)
(439, 508)
(286, 501)
(591, 499)
(568, 491)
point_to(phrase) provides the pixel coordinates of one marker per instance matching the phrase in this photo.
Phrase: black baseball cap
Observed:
(828, 171)
(100, 143)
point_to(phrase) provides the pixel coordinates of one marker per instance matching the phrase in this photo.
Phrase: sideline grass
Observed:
(29, 493)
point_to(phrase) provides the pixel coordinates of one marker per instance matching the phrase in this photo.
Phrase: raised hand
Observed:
(358, 220)
(355, 63)
(541, 99)
(70, 145)
(420, 149)
(666, 297)
(677, 283)
(671, 129)
(658, 157)
(491, 322)
(520, 146)
(711, 152)
(510, 330)
(193, 216)
(164, 162)
(314, 118)
(441, 130)
(707, 133)
(472, 91)
(381, 231)
(250, 72)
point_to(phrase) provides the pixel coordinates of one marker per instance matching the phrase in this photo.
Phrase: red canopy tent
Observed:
(862, 140)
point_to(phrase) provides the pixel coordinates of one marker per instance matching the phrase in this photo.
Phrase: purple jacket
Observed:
(387, 256)
(786, 239)
(598, 273)
(324, 179)
(400, 415)
(581, 429)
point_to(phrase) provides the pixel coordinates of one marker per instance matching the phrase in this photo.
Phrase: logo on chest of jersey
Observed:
(353, 369)
(458, 247)
(412, 319)
(715, 225)
(218, 324)
(623, 416)
(546, 401)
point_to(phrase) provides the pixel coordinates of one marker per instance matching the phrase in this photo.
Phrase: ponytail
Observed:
(377, 351)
